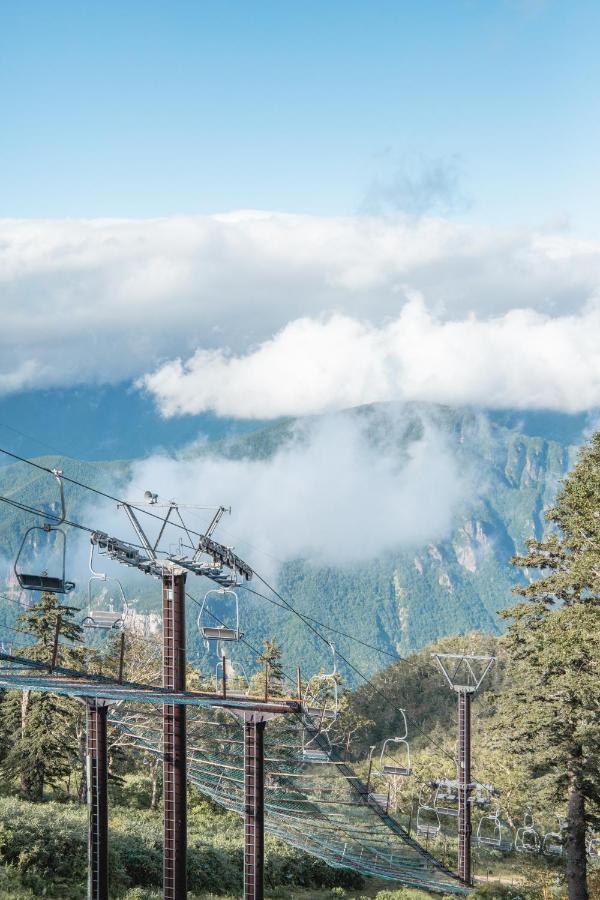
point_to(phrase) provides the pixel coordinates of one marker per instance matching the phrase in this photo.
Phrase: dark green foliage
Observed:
(271, 680)
(43, 746)
(552, 703)
(46, 847)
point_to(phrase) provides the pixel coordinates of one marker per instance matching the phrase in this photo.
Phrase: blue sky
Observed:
(489, 109)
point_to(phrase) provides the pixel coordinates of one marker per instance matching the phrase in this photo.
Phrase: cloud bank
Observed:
(331, 494)
(224, 297)
(522, 359)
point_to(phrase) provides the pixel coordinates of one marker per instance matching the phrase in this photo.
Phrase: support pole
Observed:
(174, 741)
(254, 821)
(97, 797)
(464, 786)
(465, 674)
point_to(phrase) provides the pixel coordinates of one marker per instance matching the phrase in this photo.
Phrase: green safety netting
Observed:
(313, 799)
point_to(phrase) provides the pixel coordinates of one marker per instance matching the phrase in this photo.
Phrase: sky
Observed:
(153, 109)
(262, 208)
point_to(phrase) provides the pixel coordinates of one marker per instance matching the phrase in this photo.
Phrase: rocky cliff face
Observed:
(411, 596)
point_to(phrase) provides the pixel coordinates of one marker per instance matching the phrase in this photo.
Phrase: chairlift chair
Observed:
(393, 768)
(314, 755)
(446, 792)
(527, 839)
(104, 619)
(482, 795)
(491, 833)
(57, 584)
(553, 842)
(311, 753)
(219, 632)
(592, 845)
(428, 820)
(320, 688)
(380, 799)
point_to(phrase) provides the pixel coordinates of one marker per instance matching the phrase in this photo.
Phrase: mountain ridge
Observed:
(408, 595)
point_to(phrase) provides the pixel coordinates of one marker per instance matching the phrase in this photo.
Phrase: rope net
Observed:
(314, 800)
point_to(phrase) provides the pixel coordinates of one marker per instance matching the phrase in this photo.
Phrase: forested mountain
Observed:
(406, 595)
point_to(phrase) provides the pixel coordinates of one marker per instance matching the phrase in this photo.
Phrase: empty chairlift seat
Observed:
(104, 619)
(428, 820)
(395, 754)
(321, 698)
(49, 541)
(492, 833)
(553, 843)
(223, 625)
(446, 797)
(527, 839)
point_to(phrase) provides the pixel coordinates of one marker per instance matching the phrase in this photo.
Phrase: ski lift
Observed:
(482, 795)
(104, 619)
(403, 750)
(381, 800)
(527, 839)
(219, 632)
(553, 843)
(491, 833)
(446, 793)
(428, 820)
(57, 584)
(312, 753)
(320, 689)
(592, 845)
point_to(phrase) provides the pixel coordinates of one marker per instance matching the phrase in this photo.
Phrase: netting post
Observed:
(174, 741)
(97, 798)
(464, 786)
(254, 807)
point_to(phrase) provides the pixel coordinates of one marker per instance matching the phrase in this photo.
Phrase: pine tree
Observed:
(551, 701)
(270, 660)
(43, 748)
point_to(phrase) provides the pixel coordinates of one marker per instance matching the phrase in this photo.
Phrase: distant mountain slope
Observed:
(100, 422)
(407, 596)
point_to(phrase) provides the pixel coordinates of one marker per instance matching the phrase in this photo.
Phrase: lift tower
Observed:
(464, 674)
(174, 739)
(218, 563)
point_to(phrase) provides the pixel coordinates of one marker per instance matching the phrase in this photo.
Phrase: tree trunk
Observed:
(155, 775)
(25, 787)
(576, 853)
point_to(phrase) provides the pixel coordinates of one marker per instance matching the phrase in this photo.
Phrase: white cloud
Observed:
(105, 300)
(522, 359)
(331, 495)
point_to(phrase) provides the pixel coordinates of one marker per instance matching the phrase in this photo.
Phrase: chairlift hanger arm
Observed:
(463, 659)
(139, 530)
(216, 519)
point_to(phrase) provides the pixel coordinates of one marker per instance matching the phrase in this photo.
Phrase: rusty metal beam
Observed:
(174, 737)
(97, 797)
(254, 805)
(464, 786)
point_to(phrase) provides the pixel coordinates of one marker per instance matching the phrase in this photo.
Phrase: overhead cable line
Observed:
(357, 671)
(288, 605)
(323, 625)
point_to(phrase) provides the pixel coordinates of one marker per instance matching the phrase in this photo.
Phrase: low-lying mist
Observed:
(336, 491)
